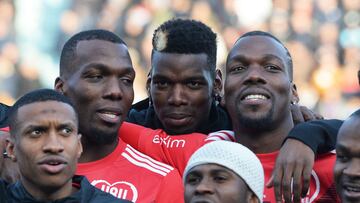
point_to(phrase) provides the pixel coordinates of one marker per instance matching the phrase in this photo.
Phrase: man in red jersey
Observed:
(96, 74)
(258, 95)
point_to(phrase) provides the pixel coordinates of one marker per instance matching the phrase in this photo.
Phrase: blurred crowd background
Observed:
(323, 37)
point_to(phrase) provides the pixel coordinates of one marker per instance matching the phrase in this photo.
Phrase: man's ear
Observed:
(80, 148)
(10, 149)
(148, 83)
(59, 85)
(295, 96)
(251, 197)
(218, 84)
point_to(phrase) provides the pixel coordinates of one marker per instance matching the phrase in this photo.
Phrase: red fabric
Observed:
(6, 129)
(129, 174)
(322, 187)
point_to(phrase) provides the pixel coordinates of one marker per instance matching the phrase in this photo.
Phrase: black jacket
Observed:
(319, 135)
(3, 114)
(11, 193)
(143, 114)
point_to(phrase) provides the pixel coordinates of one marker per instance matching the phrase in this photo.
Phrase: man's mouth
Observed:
(352, 191)
(53, 165)
(109, 116)
(177, 119)
(255, 97)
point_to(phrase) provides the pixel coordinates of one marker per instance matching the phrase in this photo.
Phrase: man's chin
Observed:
(101, 137)
(259, 123)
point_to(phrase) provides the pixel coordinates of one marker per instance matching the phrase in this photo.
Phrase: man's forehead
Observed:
(45, 107)
(86, 47)
(257, 44)
(349, 129)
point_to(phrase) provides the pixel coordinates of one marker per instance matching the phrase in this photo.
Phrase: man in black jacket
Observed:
(45, 143)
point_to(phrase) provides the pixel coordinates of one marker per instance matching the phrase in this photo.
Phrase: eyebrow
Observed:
(241, 57)
(271, 57)
(66, 124)
(104, 68)
(342, 148)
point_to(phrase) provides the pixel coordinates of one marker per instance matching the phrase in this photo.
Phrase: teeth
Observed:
(353, 189)
(255, 96)
(110, 115)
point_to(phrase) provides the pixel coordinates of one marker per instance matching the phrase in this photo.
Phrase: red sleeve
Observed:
(131, 133)
(171, 189)
(172, 150)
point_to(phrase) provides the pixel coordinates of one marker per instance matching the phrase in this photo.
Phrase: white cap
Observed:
(234, 156)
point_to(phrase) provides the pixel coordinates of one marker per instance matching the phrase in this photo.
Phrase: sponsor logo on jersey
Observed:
(121, 189)
(169, 141)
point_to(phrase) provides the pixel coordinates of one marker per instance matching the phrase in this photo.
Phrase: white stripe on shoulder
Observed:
(148, 159)
(142, 165)
(221, 135)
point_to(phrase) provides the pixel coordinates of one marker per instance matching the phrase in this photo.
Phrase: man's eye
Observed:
(95, 78)
(193, 84)
(342, 158)
(66, 131)
(127, 81)
(237, 68)
(161, 84)
(36, 133)
(272, 67)
(192, 180)
(220, 179)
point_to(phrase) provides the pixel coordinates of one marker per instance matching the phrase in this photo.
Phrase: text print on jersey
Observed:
(121, 189)
(169, 142)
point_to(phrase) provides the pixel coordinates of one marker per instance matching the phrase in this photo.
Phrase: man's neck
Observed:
(93, 152)
(48, 193)
(263, 141)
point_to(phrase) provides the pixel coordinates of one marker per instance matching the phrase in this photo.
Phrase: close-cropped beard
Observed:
(257, 124)
(99, 137)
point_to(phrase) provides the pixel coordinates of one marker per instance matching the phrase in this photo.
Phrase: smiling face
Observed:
(46, 146)
(101, 88)
(258, 88)
(347, 167)
(213, 183)
(181, 89)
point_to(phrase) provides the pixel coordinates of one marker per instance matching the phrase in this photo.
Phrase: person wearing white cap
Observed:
(223, 172)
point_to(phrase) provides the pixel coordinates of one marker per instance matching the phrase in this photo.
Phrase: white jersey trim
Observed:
(221, 135)
(149, 158)
(146, 162)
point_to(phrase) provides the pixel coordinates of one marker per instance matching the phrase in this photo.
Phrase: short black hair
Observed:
(68, 52)
(186, 36)
(262, 33)
(39, 95)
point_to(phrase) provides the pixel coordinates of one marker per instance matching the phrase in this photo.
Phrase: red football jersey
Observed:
(174, 150)
(322, 186)
(129, 174)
